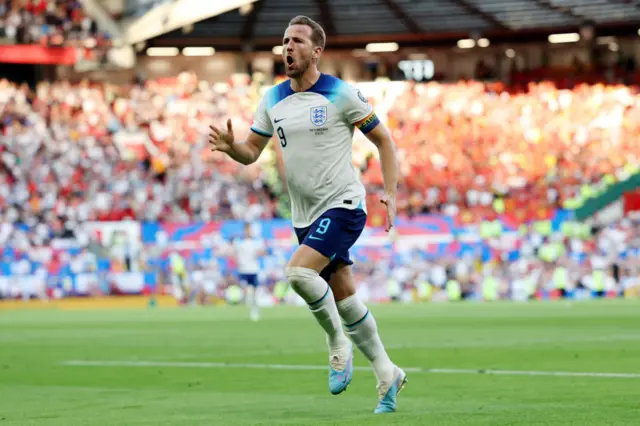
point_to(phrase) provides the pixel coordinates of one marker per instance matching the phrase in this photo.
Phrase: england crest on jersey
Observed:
(319, 115)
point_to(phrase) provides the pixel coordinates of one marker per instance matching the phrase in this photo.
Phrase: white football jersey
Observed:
(248, 255)
(315, 130)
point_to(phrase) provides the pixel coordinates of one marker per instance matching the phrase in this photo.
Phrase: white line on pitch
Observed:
(168, 364)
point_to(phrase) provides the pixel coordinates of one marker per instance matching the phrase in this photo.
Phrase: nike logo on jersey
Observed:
(311, 237)
(275, 120)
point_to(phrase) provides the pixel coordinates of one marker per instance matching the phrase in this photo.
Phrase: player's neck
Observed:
(306, 80)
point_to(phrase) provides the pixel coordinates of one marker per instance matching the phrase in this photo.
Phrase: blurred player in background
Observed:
(248, 251)
(314, 116)
(179, 277)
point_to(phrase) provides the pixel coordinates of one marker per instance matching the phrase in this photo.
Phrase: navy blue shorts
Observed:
(249, 279)
(333, 234)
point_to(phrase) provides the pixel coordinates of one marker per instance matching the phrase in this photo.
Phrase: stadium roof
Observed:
(349, 23)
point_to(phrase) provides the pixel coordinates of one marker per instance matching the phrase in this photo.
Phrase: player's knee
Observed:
(299, 276)
(305, 282)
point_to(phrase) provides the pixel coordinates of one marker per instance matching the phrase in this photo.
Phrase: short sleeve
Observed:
(261, 121)
(358, 111)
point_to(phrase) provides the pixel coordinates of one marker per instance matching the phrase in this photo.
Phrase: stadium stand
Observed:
(83, 153)
(458, 154)
(46, 22)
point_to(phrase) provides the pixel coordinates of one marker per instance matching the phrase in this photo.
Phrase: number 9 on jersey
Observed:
(283, 139)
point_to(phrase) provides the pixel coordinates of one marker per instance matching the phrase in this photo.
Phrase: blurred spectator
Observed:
(48, 22)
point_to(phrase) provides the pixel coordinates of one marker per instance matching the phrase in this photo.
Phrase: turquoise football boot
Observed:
(340, 373)
(387, 395)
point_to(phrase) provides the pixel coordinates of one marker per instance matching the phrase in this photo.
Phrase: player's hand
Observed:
(389, 200)
(221, 140)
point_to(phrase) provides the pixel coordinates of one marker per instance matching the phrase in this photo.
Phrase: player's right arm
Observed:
(249, 151)
(246, 152)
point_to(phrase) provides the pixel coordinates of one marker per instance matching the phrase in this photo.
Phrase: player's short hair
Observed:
(318, 37)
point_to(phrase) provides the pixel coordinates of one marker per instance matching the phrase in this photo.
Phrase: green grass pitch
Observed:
(164, 366)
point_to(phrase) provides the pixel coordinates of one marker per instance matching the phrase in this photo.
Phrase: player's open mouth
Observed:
(290, 61)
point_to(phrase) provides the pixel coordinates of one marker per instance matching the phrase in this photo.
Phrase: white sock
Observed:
(318, 295)
(250, 296)
(362, 329)
(252, 299)
(254, 306)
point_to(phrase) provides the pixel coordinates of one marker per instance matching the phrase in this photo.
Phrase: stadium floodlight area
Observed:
(171, 16)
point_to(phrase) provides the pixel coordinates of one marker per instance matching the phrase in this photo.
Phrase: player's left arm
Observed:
(381, 138)
(360, 113)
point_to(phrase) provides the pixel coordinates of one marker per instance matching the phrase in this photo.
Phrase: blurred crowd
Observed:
(466, 146)
(576, 263)
(49, 23)
(101, 152)
(71, 154)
